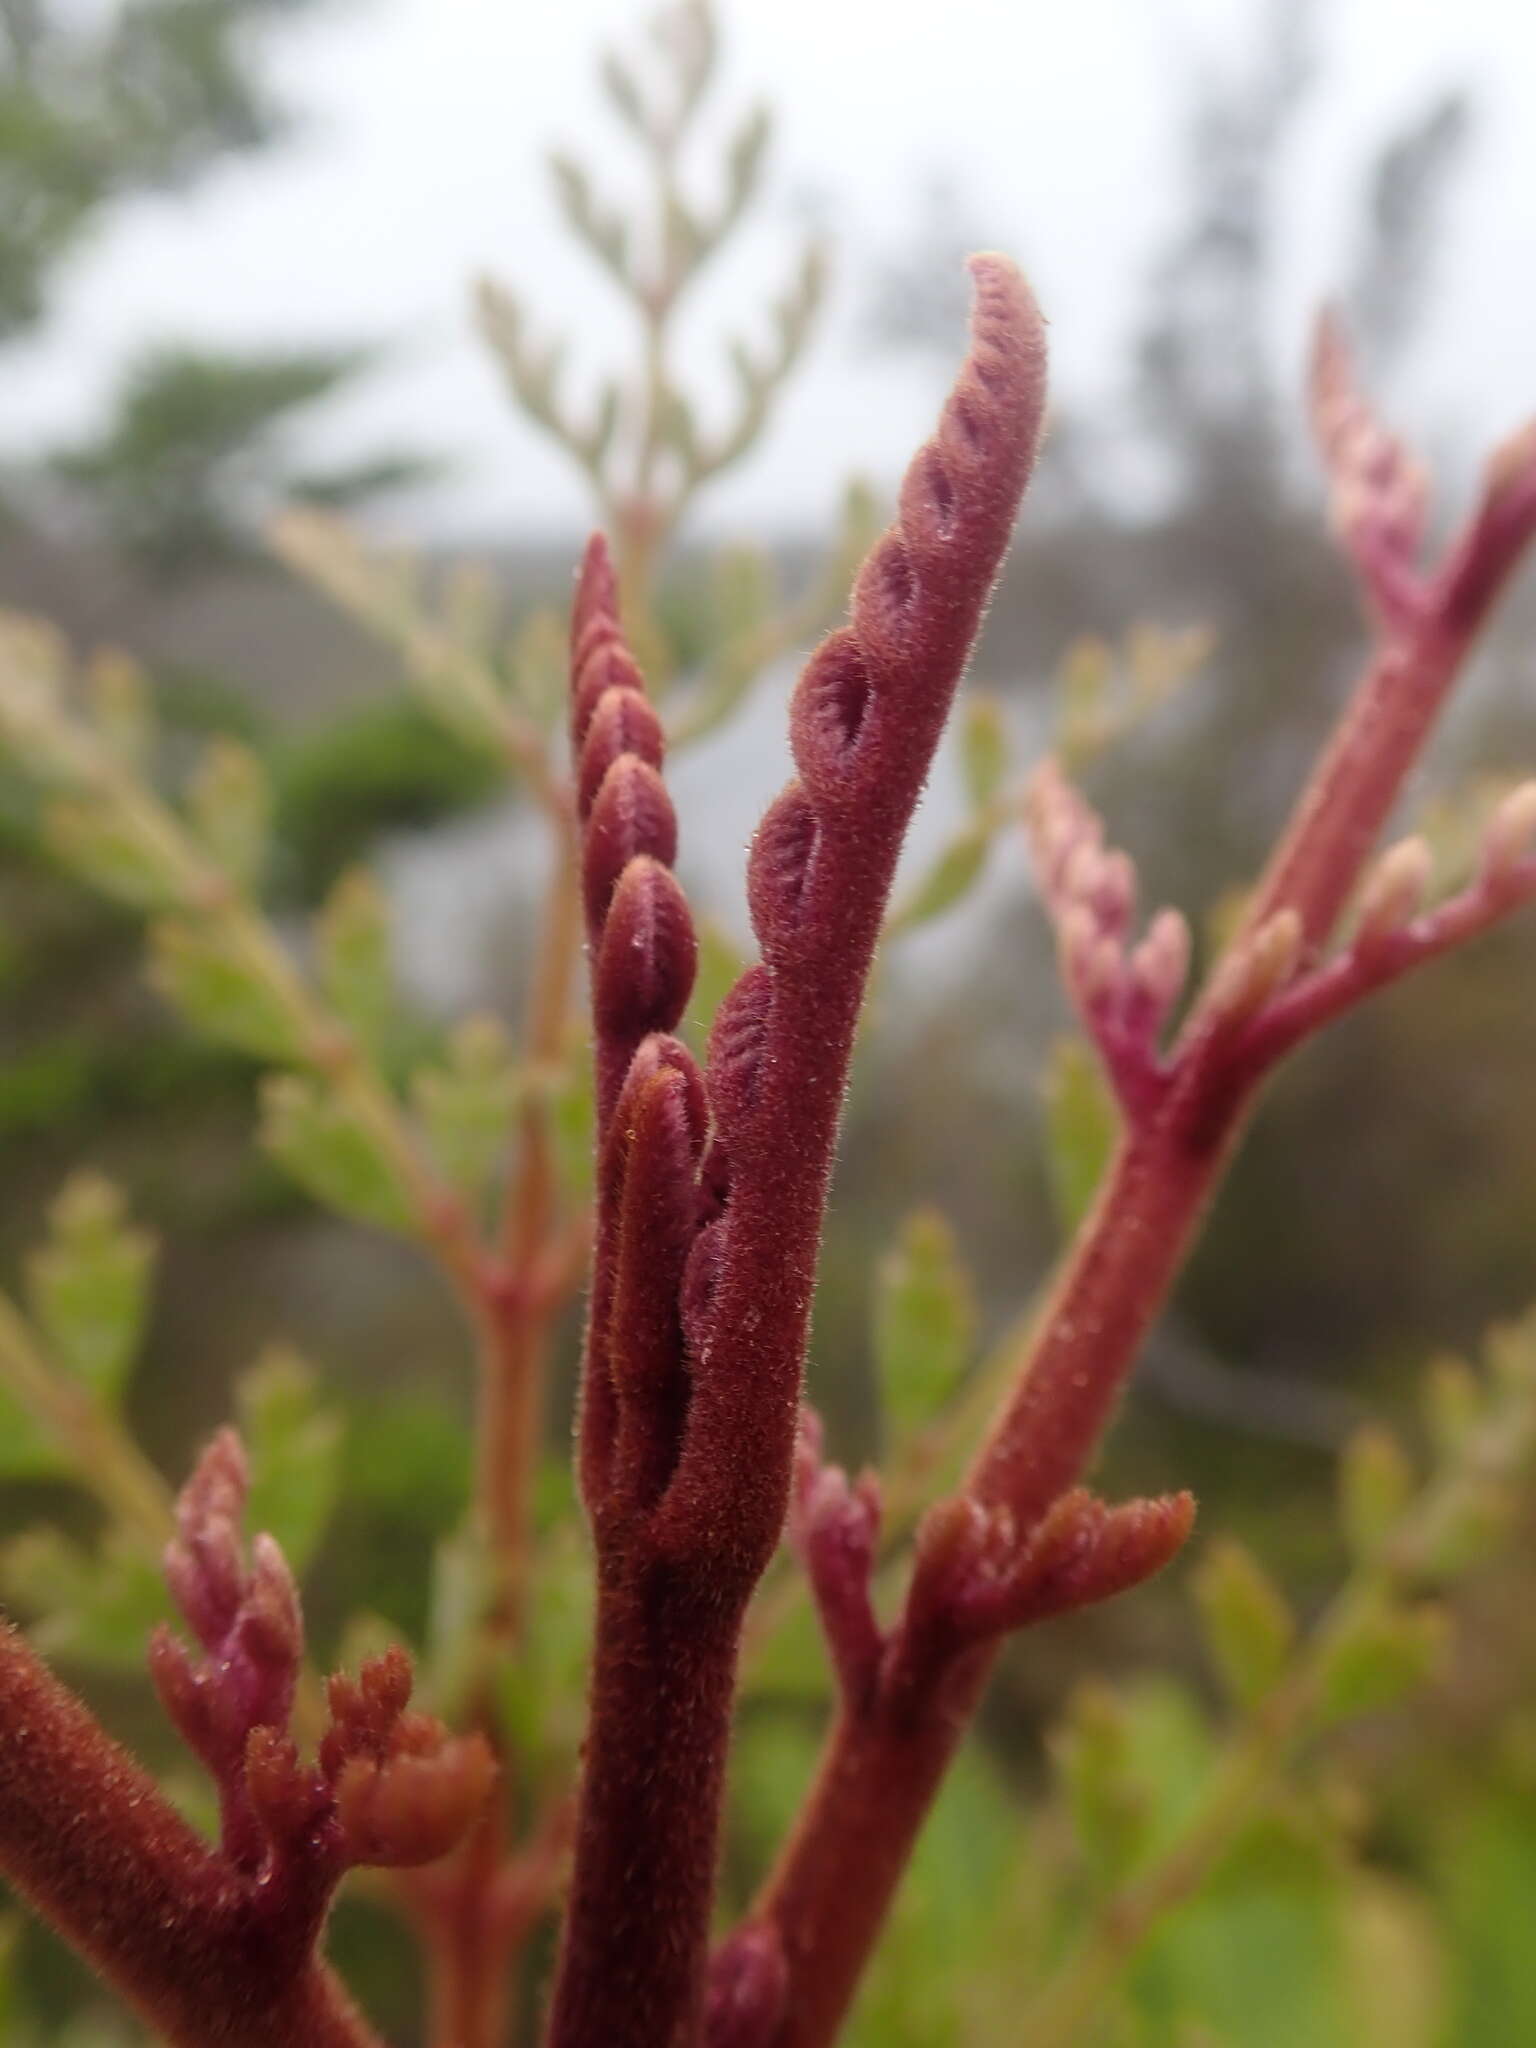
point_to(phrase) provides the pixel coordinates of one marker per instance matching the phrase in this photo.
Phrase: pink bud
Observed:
(1161, 962)
(1509, 832)
(1394, 890)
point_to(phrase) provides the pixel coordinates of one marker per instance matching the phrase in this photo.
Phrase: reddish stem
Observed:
(832, 1888)
(467, 1952)
(827, 1898)
(1359, 778)
(630, 1969)
(87, 1837)
(710, 1206)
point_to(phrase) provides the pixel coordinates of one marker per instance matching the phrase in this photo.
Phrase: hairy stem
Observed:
(631, 1976)
(828, 1897)
(87, 1837)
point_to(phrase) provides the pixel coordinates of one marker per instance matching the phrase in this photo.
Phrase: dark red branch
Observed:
(1019, 1542)
(88, 1839)
(710, 1208)
(219, 1948)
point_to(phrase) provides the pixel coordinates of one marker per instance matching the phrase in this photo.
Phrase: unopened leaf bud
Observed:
(1394, 890)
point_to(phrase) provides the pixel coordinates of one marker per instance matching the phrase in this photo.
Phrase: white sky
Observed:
(421, 163)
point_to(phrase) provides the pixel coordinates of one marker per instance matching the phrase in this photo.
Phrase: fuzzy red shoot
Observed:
(219, 1948)
(1022, 1540)
(712, 1187)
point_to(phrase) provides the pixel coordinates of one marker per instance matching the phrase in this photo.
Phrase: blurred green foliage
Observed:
(1296, 1800)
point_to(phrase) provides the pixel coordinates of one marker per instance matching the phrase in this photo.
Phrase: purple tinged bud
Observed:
(607, 665)
(748, 1984)
(701, 1283)
(597, 591)
(647, 956)
(883, 599)
(177, 1688)
(624, 722)
(778, 869)
(736, 1046)
(631, 814)
(831, 713)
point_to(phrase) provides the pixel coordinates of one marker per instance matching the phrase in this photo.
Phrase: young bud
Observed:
(1160, 963)
(1394, 890)
(412, 1808)
(829, 715)
(778, 869)
(1248, 1624)
(748, 1981)
(631, 814)
(736, 1043)
(1384, 1652)
(1509, 833)
(1376, 1484)
(647, 955)
(605, 664)
(623, 722)
(1256, 967)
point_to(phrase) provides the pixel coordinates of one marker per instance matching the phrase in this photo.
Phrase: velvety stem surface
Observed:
(887, 1755)
(828, 1897)
(711, 1200)
(645, 1857)
(89, 1840)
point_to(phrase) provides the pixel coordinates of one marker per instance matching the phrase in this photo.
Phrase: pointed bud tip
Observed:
(1509, 833)
(1395, 889)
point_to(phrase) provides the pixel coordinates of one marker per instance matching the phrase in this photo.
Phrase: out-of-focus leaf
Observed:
(409, 1456)
(27, 1449)
(983, 746)
(1249, 1628)
(313, 1137)
(570, 1099)
(294, 1446)
(88, 1286)
(96, 1606)
(1395, 1966)
(352, 947)
(122, 709)
(1486, 1859)
(467, 1103)
(1106, 1796)
(1383, 1653)
(1453, 1404)
(1376, 1483)
(543, 1689)
(95, 842)
(1081, 1126)
(463, 1582)
(956, 1935)
(924, 1321)
(791, 1661)
(540, 663)
(951, 876)
(229, 801)
(1084, 721)
(205, 973)
(1256, 1959)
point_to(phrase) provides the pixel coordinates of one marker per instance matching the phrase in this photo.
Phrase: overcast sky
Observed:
(420, 163)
